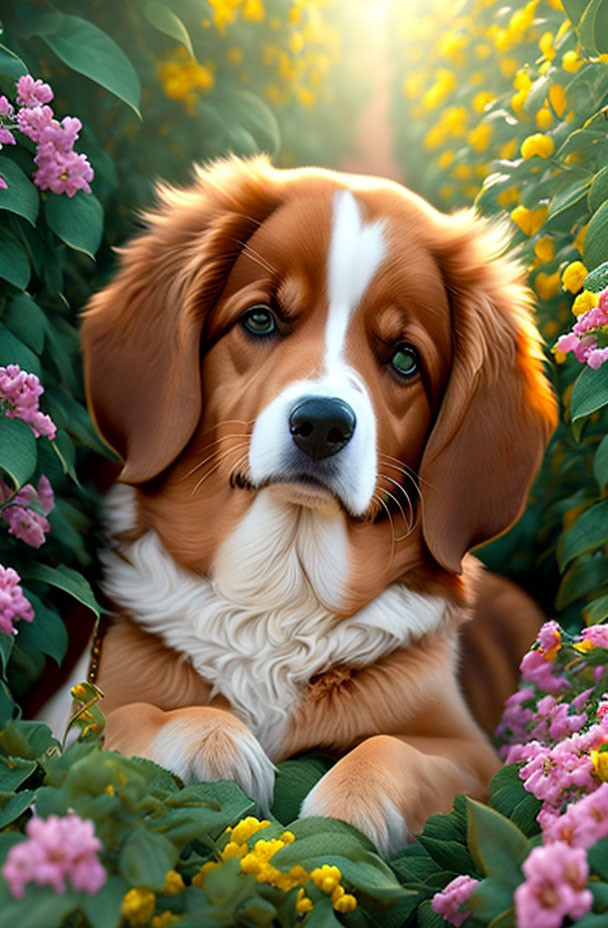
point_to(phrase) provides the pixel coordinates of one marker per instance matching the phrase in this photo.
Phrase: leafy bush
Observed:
(506, 109)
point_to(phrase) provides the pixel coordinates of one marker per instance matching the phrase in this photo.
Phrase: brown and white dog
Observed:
(325, 393)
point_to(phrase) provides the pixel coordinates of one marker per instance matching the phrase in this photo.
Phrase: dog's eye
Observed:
(259, 320)
(405, 360)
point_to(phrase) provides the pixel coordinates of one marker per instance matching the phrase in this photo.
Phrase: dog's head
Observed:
(328, 335)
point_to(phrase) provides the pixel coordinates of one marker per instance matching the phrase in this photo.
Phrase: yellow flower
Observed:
(571, 62)
(165, 919)
(413, 85)
(599, 759)
(434, 137)
(246, 828)
(479, 137)
(508, 196)
(482, 99)
(345, 903)
(253, 11)
(546, 285)
(508, 66)
(508, 149)
(560, 356)
(551, 328)
(446, 191)
(326, 878)
(454, 120)
(305, 96)
(544, 118)
(235, 55)
(584, 302)
(537, 144)
(546, 46)
(287, 837)
(138, 906)
(445, 159)
(573, 276)
(557, 98)
(583, 646)
(529, 221)
(174, 884)
(544, 249)
(233, 849)
(462, 172)
(304, 904)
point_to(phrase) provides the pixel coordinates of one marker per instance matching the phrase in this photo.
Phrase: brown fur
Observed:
(474, 425)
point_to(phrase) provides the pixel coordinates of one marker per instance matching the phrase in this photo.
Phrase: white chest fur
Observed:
(262, 625)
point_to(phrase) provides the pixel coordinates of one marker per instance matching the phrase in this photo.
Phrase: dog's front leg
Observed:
(387, 786)
(198, 743)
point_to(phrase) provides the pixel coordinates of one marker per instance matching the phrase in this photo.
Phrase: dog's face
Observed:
(332, 339)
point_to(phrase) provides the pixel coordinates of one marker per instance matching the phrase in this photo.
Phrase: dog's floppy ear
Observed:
(498, 410)
(141, 335)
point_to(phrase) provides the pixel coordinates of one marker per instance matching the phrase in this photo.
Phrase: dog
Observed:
(324, 394)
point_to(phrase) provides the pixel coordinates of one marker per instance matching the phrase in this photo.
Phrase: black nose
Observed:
(322, 425)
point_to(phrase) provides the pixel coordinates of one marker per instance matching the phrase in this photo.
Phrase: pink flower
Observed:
(6, 108)
(31, 92)
(3, 183)
(62, 171)
(6, 137)
(13, 604)
(19, 392)
(33, 122)
(554, 887)
(57, 849)
(25, 523)
(597, 635)
(596, 357)
(549, 639)
(583, 823)
(449, 901)
(535, 668)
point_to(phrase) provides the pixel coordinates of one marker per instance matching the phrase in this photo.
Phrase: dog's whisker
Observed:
(401, 469)
(409, 469)
(220, 460)
(405, 493)
(256, 256)
(401, 510)
(213, 453)
(390, 519)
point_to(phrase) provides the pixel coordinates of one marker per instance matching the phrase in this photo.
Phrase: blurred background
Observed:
(501, 106)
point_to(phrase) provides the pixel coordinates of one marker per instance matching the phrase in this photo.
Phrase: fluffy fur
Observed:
(272, 603)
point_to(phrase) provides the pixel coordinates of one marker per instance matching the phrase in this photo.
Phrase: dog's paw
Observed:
(360, 795)
(205, 744)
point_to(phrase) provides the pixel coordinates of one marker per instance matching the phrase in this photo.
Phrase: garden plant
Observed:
(501, 106)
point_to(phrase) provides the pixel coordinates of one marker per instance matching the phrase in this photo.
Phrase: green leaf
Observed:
(47, 632)
(18, 453)
(16, 806)
(426, 918)
(77, 220)
(597, 279)
(295, 779)
(450, 855)
(597, 855)
(10, 64)
(249, 113)
(316, 826)
(66, 579)
(600, 463)
(372, 877)
(595, 249)
(575, 9)
(490, 900)
(591, 26)
(165, 20)
(14, 262)
(90, 51)
(305, 850)
(525, 815)
(590, 531)
(567, 197)
(6, 648)
(103, 909)
(597, 610)
(40, 906)
(27, 321)
(145, 858)
(14, 771)
(505, 920)
(13, 351)
(584, 576)
(590, 392)
(20, 197)
(598, 192)
(498, 847)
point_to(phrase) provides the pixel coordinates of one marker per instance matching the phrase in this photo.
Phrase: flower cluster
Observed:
(13, 604)
(450, 901)
(588, 339)
(59, 168)
(57, 849)
(555, 887)
(19, 394)
(20, 511)
(256, 861)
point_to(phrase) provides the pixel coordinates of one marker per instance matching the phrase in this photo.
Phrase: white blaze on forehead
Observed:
(355, 253)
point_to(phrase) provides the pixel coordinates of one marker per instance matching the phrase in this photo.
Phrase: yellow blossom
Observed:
(446, 191)
(508, 196)
(246, 828)
(138, 905)
(546, 46)
(345, 903)
(551, 328)
(174, 884)
(445, 159)
(287, 837)
(560, 356)
(413, 85)
(253, 11)
(584, 302)
(462, 172)
(479, 137)
(305, 96)
(508, 66)
(434, 137)
(579, 240)
(233, 849)
(546, 285)
(529, 221)
(573, 276)
(509, 149)
(326, 877)
(557, 98)
(571, 62)
(235, 55)
(544, 118)
(544, 249)
(583, 646)
(482, 99)
(165, 919)
(303, 904)
(537, 144)
(599, 759)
